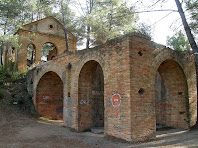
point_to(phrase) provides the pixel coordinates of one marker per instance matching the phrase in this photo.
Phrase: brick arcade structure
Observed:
(127, 85)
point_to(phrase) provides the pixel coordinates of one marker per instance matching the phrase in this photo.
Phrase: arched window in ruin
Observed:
(30, 55)
(13, 54)
(171, 96)
(49, 51)
(91, 96)
(49, 96)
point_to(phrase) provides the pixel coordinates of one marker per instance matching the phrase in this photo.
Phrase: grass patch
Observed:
(7, 78)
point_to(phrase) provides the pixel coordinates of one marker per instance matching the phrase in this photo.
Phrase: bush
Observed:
(15, 76)
(1, 95)
(2, 75)
(16, 101)
(10, 77)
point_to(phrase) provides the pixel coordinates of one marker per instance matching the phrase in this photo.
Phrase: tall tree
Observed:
(188, 31)
(106, 19)
(10, 12)
(64, 10)
(192, 7)
(178, 42)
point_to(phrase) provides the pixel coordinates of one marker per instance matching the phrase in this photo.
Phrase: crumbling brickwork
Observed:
(47, 30)
(126, 85)
(50, 96)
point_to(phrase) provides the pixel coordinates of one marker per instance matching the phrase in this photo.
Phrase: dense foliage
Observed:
(96, 21)
(192, 7)
(178, 42)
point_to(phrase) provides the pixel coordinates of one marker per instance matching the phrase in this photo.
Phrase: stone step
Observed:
(97, 130)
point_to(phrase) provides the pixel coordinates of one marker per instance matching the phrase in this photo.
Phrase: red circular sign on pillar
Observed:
(116, 100)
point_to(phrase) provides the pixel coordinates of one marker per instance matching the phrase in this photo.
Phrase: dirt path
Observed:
(19, 130)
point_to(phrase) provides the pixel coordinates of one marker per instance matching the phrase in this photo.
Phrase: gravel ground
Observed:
(19, 130)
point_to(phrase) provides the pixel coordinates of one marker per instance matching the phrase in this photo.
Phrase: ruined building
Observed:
(39, 41)
(128, 85)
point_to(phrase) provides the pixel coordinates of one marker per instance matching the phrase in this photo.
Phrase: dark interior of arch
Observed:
(49, 101)
(171, 95)
(91, 96)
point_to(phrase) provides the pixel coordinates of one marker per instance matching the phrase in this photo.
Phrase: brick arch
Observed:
(31, 44)
(50, 43)
(43, 72)
(91, 96)
(34, 53)
(189, 75)
(49, 96)
(49, 67)
(163, 55)
(97, 57)
(92, 57)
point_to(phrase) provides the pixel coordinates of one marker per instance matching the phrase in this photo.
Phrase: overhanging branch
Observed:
(156, 10)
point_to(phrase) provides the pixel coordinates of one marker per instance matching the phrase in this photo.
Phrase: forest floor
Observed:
(18, 129)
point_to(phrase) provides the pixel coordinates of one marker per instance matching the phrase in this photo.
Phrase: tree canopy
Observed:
(178, 41)
(192, 7)
(98, 21)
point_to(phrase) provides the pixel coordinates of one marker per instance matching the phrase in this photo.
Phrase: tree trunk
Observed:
(189, 35)
(5, 28)
(1, 49)
(89, 8)
(9, 62)
(32, 19)
(66, 36)
(88, 37)
(188, 31)
(4, 55)
(64, 25)
(16, 60)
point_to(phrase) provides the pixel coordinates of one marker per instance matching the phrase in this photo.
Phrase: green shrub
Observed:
(13, 95)
(2, 75)
(1, 95)
(16, 101)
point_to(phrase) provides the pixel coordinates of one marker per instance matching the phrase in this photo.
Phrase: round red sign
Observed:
(116, 100)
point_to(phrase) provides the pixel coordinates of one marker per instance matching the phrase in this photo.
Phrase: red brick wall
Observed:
(91, 96)
(129, 65)
(174, 96)
(142, 97)
(160, 100)
(49, 97)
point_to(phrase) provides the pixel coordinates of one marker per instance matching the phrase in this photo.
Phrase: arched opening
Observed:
(49, 96)
(171, 96)
(13, 54)
(30, 55)
(91, 96)
(49, 51)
